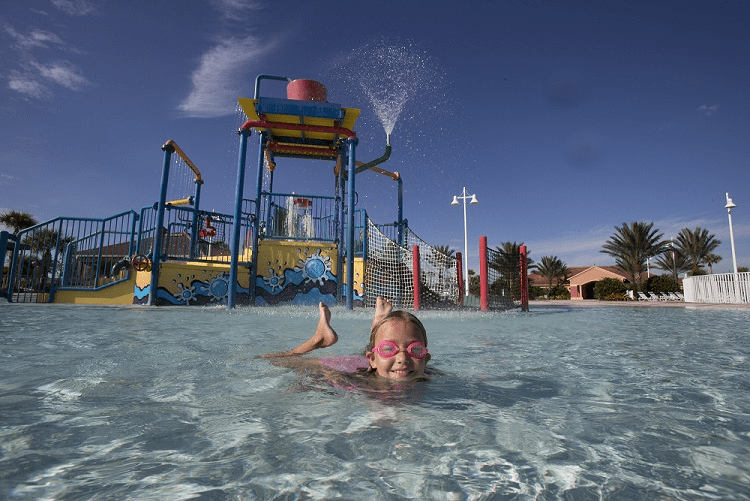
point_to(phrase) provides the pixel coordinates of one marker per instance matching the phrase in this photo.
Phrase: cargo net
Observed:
(438, 274)
(503, 279)
(389, 272)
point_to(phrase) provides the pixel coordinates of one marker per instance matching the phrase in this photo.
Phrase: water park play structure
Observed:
(274, 248)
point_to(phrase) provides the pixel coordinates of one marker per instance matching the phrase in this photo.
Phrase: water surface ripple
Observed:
(560, 403)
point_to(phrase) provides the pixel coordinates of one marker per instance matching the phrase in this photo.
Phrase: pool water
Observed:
(560, 403)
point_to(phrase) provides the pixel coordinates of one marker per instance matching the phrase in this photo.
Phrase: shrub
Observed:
(536, 292)
(606, 288)
(662, 283)
(559, 292)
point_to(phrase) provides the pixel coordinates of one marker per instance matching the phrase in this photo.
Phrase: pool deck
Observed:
(633, 304)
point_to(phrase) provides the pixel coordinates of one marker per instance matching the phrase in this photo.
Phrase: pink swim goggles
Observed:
(388, 349)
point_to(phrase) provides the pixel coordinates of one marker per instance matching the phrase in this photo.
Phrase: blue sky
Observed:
(565, 118)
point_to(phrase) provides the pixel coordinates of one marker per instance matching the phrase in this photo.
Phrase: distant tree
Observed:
(474, 283)
(48, 245)
(742, 269)
(712, 259)
(696, 246)
(553, 269)
(631, 246)
(441, 258)
(672, 260)
(17, 221)
(507, 262)
(445, 250)
(662, 283)
(609, 289)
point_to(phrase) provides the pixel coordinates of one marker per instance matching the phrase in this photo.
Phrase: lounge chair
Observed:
(679, 296)
(653, 296)
(663, 296)
(643, 297)
(674, 297)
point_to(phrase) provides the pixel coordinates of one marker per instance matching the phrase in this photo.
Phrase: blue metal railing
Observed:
(69, 252)
(209, 242)
(295, 216)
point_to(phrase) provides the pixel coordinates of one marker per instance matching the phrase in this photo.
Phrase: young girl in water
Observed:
(397, 349)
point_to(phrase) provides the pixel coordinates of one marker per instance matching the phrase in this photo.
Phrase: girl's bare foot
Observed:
(382, 308)
(324, 334)
(325, 331)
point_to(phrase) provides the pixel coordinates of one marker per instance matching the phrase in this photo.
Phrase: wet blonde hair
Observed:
(397, 315)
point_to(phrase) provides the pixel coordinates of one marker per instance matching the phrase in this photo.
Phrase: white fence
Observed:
(722, 288)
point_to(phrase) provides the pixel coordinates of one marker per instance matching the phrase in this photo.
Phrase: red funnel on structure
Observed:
(306, 90)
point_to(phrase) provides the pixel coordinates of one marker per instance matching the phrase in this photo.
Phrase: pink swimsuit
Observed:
(346, 363)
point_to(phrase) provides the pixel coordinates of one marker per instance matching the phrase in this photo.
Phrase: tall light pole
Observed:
(455, 201)
(729, 206)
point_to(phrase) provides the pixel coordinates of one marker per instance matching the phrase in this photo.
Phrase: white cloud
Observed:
(28, 86)
(7, 179)
(225, 68)
(62, 73)
(708, 110)
(31, 78)
(222, 76)
(35, 39)
(575, 249)
(76, 7)
(236, 10)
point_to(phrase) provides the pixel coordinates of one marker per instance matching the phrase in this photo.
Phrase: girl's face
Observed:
(401, 366)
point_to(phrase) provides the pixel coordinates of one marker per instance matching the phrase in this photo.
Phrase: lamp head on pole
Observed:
(455, 200)
(730, 204)
(474, 200)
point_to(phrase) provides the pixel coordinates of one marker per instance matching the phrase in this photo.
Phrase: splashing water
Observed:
(390, 74)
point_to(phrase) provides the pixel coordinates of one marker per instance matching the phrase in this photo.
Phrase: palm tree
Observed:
(712, 259)
(673, 261)
(697, 245)
(17, 221)
(445, 250)
(49, 244)
(631, 246)
(553, 269)
(507, 262)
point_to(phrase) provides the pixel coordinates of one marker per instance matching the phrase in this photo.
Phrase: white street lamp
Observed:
(729, 206)
(455, 201)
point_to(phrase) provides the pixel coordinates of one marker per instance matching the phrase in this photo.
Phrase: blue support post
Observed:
(196, 210)
(400, 211)
(237, 223)
(55, 259)
(339, 232)
(256, 220)
(158, 238)
(352, 142)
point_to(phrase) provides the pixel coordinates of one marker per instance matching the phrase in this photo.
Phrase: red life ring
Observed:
(141, 263)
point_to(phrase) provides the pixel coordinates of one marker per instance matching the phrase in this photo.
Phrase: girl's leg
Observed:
(324, 334)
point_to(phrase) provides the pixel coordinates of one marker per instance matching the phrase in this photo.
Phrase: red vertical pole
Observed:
(524, 280)
(460, 273)
(483, 279)
(415, 273)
